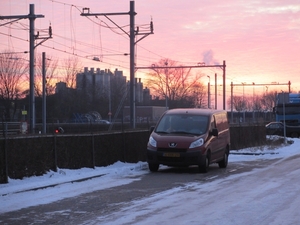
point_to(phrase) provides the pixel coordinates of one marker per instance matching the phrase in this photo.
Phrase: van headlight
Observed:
(197, 143)
(152, 141)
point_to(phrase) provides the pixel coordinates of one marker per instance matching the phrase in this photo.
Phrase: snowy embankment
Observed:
(66, 183)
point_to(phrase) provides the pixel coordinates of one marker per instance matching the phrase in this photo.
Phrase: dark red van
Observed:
(184, 137)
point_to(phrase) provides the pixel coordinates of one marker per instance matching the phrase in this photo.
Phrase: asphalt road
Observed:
(82, 208)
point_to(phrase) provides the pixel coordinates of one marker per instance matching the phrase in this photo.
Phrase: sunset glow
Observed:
(259, 40)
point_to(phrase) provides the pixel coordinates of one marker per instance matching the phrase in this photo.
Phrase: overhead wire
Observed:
(72, 39)
(77, 55)
(73, 48)
(60, 44)
(82, 54)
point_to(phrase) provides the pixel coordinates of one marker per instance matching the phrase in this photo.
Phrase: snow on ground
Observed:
(19, 194)
(54, 186)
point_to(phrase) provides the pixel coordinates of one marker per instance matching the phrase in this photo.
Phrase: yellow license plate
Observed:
(171, 154)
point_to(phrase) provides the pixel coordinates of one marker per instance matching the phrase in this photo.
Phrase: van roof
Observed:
(194, 111)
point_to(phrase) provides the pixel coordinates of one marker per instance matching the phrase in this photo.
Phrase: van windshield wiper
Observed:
(162, 132)
(180, 132)
(197, 134)
(176, 132)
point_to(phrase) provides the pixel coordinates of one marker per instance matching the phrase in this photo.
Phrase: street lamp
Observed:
(166, 96)
(216, 94)
(243, 83)
(253, 97)
(284, 124)
(208, 89)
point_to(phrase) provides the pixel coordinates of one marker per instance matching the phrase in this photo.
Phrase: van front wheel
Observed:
(153, 167)
(223, 163)
(204, 167)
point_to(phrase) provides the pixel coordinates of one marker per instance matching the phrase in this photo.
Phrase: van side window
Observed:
(212, 123)
(221, 121)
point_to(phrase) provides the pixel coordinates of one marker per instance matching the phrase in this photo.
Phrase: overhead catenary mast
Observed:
(132, 34)
(32, 37)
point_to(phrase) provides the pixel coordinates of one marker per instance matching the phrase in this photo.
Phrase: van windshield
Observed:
(184, 124)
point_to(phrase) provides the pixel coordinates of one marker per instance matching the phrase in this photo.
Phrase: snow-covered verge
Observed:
(67, 183)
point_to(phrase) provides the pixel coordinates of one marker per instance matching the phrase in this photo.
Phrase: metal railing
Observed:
(12, 128)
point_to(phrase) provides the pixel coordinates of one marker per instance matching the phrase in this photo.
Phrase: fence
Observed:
(236, 119)
(13, 128)
(25, 156)
(252, 117)
(21, 128)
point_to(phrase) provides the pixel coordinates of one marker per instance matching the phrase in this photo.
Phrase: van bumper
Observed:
(176, 158)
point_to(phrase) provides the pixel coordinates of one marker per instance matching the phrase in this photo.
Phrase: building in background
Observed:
(100, 82)
(94, 83)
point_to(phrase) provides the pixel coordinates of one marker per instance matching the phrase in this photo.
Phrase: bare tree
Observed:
(173, 83)
(257, 103)
(269, 100)
(12, 69)
(71, 67)
(237, 102)
(263, 102)
(51, 66)
(199, 95)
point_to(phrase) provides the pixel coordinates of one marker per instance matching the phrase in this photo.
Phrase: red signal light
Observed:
(59, 130)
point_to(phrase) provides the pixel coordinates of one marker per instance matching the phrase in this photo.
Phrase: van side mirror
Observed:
(151, 129)
(214, 132)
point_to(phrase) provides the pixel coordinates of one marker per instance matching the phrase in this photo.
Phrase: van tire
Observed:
(203, 168)
(224, 162)
(153, 167)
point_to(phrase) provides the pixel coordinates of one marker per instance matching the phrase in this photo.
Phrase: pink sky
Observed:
(259, 40)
